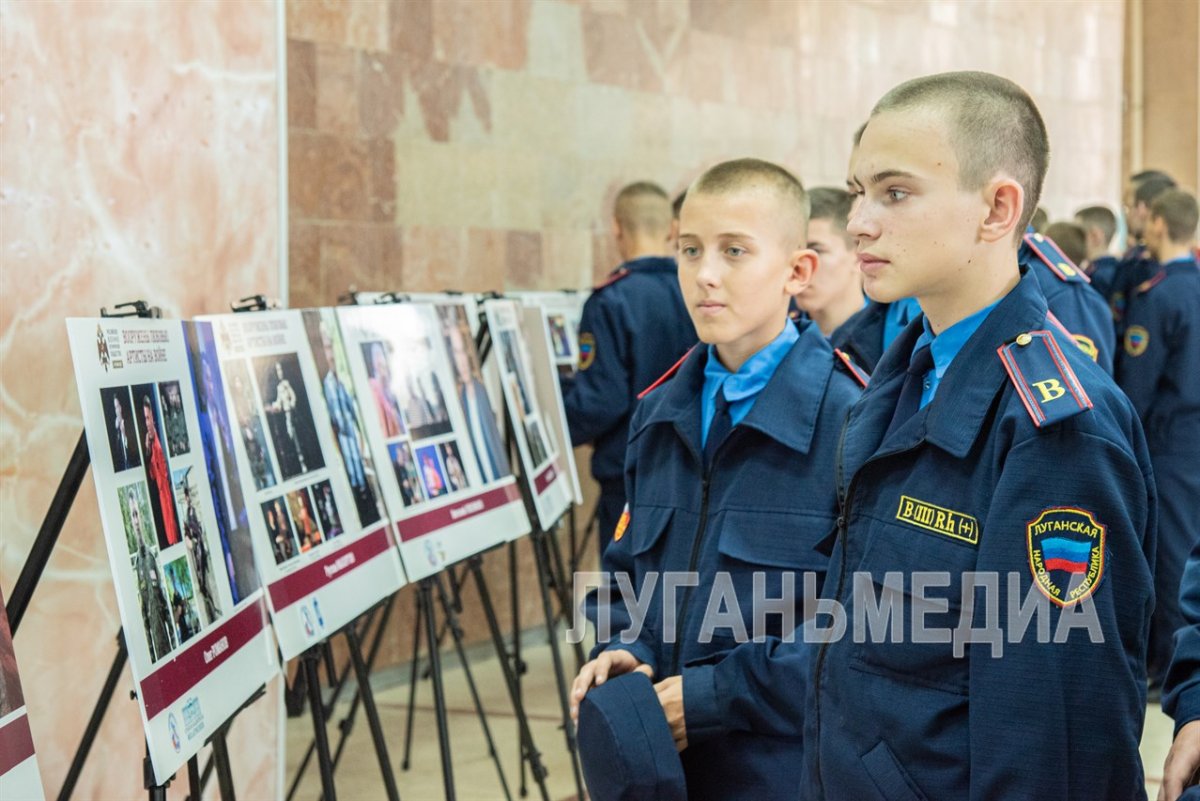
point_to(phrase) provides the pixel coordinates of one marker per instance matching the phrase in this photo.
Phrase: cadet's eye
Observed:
(735, 251)
(897, 194)
(689, 251)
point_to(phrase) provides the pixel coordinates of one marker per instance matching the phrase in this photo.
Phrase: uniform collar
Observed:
(756, 373)
(1187, 260)
(955, 417)
(651, 264)
(786, 409)
(946, 345)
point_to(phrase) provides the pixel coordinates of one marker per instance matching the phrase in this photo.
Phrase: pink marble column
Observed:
(138, 159)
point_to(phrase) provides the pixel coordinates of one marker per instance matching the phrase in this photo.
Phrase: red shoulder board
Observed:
(612, 279)
(859, 375)
(1053, 257)
(1044, 380)
(1152, 282)
(667, 376)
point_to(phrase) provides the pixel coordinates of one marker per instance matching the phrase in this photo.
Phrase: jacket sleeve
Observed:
(756, 687)
(1060, 716)
(1140, 375)
(1181, 699)
(1085, 314)
(598, 397)
(619, 560)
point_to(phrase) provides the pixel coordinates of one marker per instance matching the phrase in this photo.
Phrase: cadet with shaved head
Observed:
(634, 326)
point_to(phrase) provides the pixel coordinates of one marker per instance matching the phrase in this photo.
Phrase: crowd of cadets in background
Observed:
(637, 327)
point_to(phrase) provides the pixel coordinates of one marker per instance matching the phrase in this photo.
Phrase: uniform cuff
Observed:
(1187, 708)
(701, 712)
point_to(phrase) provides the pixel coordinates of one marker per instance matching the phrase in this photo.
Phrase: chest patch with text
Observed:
(938, 519)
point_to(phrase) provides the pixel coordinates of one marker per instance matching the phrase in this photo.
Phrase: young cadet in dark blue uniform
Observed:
(1080, 309)
(729, 470)
(835, 293)
(966, 455)
(633, 327)
(1159, 369)
(1099, 227)
(1181, 699)
(1137, 264)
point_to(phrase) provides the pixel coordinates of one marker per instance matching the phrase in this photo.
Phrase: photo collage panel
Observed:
(165, 539)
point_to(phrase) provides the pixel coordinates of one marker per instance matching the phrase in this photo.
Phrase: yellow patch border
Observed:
(934, 529)
(1084, 590)
(587, 350)
(1087, 345)
(1136, 350)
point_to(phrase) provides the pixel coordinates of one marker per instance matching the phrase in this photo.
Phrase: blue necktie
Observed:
(719, 428)
(914, 385)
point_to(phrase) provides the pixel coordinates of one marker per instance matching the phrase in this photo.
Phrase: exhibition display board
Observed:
(321, 537)
(542, 450)
(563, 310)
(450, 489)
(19, 776)
(173, 517)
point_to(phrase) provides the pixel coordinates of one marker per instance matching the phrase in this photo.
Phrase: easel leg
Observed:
(224, 770)
(528, 749)
(543, 563)
(412, 682)
(368, 699)
(310, 659)
(93, 726)
(346, 724)
(518, 667)
(563, 583)
(456, 633)
(193, 773)
(439, 697)
(157, 792)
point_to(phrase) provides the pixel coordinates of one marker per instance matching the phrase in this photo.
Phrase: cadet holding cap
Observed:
(1159, 369)
(729, 471)
(987, 450)
(634, 326)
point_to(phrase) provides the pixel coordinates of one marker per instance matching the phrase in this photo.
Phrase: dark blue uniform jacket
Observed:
(636, 326)
(1078, 306)
(1159, 369)
(972, 483)
(763, 506)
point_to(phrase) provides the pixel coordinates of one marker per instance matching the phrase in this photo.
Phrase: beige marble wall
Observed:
(138, 159)
(477, 143)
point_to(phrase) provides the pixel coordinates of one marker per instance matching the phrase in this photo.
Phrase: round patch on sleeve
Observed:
(587, 350)
(1066, 553)
(1137, 339)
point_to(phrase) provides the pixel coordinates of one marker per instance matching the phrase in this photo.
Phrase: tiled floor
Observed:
(475, 774)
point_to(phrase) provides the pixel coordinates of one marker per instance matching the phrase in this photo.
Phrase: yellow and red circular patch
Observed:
(1137, 339)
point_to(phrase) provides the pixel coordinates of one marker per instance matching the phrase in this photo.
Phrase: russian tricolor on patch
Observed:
(1066, 553)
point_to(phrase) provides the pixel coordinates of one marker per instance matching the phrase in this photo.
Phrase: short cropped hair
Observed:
(830, 203)
(643, 208)
(1101, 217)
(677, 204)
(732, 176)
(1146, 190)
(1138, 177)
(1070, 238)
(994, 126)
(1179, 211)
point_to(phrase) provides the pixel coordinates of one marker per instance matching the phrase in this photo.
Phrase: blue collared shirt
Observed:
(945, 346)
(742, 387)
(899, 315)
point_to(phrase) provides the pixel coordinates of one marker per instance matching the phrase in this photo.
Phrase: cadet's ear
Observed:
(1005, 199)
(804, 267)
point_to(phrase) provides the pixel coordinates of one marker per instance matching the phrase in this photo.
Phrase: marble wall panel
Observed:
(138, 159)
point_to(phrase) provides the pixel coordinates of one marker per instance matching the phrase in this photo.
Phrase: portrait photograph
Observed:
(187, 502)
(170, 397)
(157, 469)
(289, 417)
(279, 531)
(181, 597)
(337, 391)
(250, 423)
(327, 512)
(405, 466)
(122, 434)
